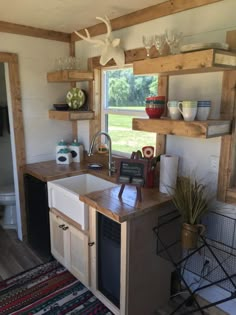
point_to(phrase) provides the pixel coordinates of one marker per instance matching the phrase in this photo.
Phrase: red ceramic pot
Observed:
(154, 112)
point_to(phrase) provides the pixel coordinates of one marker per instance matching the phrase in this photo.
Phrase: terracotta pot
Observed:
(190, 234)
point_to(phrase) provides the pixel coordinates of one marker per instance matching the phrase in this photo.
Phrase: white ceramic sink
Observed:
(63, 194)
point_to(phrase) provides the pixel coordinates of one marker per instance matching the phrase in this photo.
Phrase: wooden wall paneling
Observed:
(18, 128)
(72, 49)
(228, 111)
(74, 124)
(124, 267)
(95, 101)
(145, 15)
(163, 87)
(13, 28)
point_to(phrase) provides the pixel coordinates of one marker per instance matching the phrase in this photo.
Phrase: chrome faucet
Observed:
(90, 152)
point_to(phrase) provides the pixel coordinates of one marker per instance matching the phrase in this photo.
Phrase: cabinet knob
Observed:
(61, 226)
(65, 228)
(91, 244)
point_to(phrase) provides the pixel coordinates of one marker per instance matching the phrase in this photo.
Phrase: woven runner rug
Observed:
(48, 289)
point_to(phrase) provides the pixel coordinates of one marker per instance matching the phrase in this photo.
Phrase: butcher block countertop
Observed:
(107, 201)
(122, 209)
(50, 170)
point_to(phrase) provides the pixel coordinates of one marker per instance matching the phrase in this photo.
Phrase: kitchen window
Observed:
(123, 98)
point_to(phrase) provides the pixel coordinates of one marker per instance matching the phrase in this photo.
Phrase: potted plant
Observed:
(191, 199)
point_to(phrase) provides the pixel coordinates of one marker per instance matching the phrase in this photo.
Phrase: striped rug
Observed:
(48, 289)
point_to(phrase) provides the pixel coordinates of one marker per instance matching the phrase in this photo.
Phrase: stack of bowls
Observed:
(155, 106)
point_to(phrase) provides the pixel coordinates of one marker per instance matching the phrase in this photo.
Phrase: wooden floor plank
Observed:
(15, 256)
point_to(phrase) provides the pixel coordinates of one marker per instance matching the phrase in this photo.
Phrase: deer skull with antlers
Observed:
(110, 47)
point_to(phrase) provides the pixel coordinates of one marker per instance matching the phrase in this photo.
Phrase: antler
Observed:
(97, 41)
(108, 24)
(89, 39)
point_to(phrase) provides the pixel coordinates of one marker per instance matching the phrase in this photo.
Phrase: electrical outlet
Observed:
(214, 163)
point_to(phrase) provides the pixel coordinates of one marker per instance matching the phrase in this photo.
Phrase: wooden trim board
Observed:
(6, 27)
(225, 192)
(18, 127)
(144, 15)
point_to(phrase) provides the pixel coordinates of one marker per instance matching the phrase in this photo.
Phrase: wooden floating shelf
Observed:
(69, 76)
(71, 115)
(196, 129)
(193, 62)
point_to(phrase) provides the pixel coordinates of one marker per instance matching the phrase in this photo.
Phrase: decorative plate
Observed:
(75, 98)
(202, 46)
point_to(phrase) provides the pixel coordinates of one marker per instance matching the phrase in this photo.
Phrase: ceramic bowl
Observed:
(156, 98)
(61, 106)
(158, 105)
(154, 112)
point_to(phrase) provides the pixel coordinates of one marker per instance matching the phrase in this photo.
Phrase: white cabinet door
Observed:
(69, 246)
(59, 235)
(79, 255)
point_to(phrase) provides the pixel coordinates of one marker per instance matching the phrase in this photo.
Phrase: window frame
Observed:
(113, 111)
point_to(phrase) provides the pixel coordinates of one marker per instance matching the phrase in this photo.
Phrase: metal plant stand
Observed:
(169, 247)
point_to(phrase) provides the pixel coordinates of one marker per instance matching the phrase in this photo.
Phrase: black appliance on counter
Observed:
(109, 238)
(37, 215)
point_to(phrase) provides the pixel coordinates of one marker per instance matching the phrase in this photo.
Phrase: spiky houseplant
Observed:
(191, 199)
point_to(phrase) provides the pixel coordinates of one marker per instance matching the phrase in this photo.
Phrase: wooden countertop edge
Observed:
(134, 212)
(62, 171)
(101, 209)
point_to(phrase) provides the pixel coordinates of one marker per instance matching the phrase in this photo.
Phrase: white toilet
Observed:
(8, 201)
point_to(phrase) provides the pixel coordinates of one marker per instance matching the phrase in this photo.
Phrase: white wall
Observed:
(36, 58)
(205, 24)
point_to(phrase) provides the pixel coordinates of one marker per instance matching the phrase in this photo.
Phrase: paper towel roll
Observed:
(168, 173)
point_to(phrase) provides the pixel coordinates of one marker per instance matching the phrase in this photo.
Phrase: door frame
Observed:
(17, 138)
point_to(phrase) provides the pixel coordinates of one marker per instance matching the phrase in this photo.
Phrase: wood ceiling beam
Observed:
(7, 27)
(147, 14)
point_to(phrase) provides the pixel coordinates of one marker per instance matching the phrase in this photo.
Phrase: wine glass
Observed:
(160, 41)
(148, 41)
(177, 42)
(170, 39)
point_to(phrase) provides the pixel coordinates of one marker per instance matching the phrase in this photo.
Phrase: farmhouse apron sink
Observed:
(63, 194)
